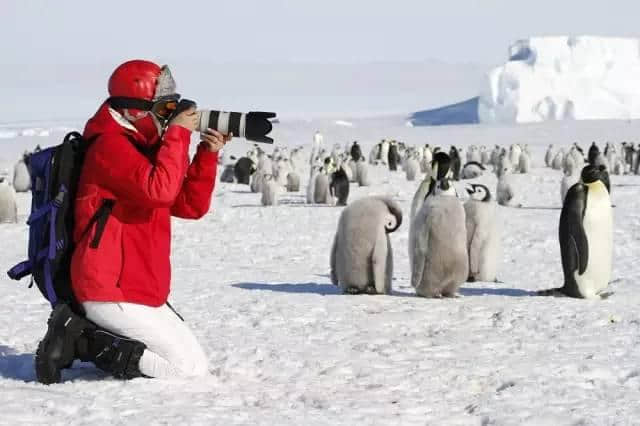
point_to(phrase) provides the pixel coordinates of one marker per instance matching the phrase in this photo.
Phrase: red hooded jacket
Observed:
(131, 260)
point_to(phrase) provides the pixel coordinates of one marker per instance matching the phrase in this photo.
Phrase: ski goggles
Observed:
(162, 107)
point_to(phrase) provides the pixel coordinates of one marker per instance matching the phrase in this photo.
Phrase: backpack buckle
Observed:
(59, 198)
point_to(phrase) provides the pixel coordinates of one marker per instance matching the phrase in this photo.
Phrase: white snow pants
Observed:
(172, 349)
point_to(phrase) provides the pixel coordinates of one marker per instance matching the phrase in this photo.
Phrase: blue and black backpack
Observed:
(55, 173)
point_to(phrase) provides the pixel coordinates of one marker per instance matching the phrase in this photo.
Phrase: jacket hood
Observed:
(108, 120)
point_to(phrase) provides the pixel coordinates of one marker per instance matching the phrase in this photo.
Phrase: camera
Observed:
(253, 126)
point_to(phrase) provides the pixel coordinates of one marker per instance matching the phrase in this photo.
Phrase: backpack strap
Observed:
(21, 270)
(100, 217)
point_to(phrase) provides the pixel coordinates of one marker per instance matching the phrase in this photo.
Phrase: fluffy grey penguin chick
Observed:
(361, 257)
(440, 262)
(483, 235)
(8, 205)
(270, 191)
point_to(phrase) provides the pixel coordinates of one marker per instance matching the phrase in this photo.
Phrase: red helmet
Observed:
(135, 79)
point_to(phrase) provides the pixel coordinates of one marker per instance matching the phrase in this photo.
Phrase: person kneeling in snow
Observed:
(136, 175)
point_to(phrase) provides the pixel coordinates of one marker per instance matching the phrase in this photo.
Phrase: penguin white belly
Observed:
(597, 224)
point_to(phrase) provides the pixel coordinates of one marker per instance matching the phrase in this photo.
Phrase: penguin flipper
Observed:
(574, 246)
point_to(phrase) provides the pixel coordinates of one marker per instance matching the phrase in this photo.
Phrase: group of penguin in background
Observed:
(330, 173)
(442, 258)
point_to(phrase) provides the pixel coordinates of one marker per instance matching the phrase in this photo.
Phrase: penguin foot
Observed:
(471, 279)
(605, 294)
(452, 296)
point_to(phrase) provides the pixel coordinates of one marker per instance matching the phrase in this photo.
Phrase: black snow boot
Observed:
(113, 354)
(57, 349)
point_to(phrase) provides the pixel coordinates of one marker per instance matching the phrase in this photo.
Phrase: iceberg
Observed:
(554, 78)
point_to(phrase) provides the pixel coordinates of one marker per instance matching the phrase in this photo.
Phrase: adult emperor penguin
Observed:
(586, 236)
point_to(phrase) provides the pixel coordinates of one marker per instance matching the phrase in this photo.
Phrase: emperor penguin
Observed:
(439, 259)
(270, 191)
(427, 157)
(558, 160)
(485, 156)
(374, 154)
(505, 190)
(586, 236)
(411, 168)
(8, 205)
(293, 182)
(393, 157)
(257, 177)
(353, 165)
(322, 194)
(514, 155)
(356, 151)
(361, 258)
(311, 187)
(472, 170)
(593, 152)
(243, 169)
(495, 156)
(483, 236)
(384, 151)
(21, 175)
(362, 172)
(454, 154)
(524, 164)
(339, 186)
(228, 175)
(548, 157)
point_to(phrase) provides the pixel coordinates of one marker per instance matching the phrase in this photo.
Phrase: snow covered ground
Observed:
(285, 347)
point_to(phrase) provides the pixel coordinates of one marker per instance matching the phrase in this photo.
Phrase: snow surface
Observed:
(286, 348)
(555, 78)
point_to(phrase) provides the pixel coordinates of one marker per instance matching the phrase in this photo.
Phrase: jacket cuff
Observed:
(206, 160)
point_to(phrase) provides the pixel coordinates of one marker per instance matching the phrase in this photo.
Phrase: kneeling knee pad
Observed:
(117, 355)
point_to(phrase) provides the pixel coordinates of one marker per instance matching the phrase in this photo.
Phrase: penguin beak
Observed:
(470, 190)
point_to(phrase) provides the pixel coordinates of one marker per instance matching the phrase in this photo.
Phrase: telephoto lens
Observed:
(253, 126)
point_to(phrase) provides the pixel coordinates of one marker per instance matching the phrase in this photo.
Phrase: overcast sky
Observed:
(81, 31)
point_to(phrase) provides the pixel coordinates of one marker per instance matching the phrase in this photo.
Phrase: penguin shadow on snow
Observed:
(311, 288)
(332, 290)
(21, 366)
(488, 291)
(321, 289)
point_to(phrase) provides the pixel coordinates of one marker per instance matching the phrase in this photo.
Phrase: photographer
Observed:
(136, 175)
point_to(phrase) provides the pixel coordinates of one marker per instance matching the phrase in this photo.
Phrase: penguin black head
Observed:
(442, 161)
(443, 187)
(453, 152)
(482, 192)
(592, 173)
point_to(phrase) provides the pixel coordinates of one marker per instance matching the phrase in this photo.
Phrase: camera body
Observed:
(253, 126)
